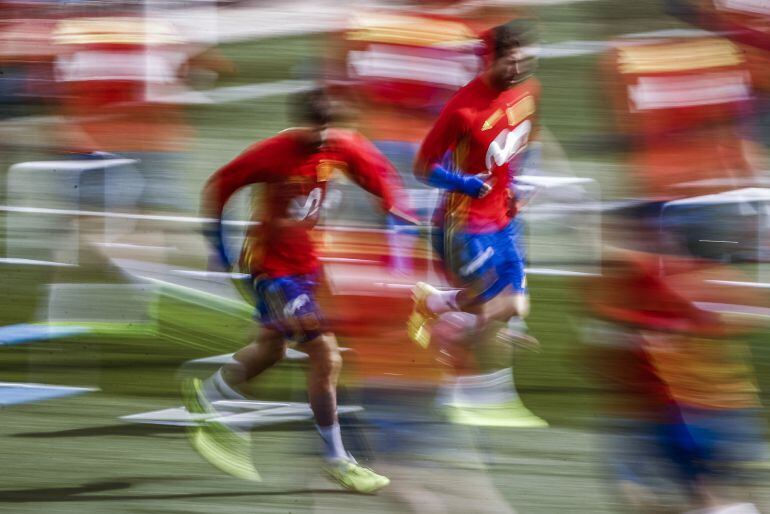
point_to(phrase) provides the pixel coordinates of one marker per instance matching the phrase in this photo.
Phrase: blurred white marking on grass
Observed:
(102, 214)
(745, 311)
(17, 393)
(244, 413)
(33, 262)
(210, 274)
(761, 285)
(130, 246)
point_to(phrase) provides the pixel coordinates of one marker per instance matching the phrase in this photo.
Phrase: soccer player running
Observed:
(295, 165)
(472, 153)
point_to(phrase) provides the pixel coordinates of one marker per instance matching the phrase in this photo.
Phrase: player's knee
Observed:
(331, 361)
(505, 306)
(275, 349)
(325, 354)
(520, 305)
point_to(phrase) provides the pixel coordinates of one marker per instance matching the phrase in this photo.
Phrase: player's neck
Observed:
(312, 138)
(488, 79)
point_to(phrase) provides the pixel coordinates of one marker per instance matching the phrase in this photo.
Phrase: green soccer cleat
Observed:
(224, 448)
(351, 475)
(418, 325)
(511, 414)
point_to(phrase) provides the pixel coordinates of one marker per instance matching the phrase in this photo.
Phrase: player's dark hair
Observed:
(313, 107)
(516, 33)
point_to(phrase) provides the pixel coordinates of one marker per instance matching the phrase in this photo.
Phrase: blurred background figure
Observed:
(747, 24)
(685, 428)
(681, 104)
(665, 334)
(27, 84)
(26, 55)
(122, 76)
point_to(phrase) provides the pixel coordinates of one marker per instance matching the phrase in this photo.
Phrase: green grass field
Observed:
(75, 456)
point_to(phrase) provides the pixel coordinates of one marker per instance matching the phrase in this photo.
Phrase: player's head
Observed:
(315, 110)
(511, 52)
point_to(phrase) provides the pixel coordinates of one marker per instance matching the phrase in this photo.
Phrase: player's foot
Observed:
(418, 325)
(227, 449)
(518, 339)
(351, 475)
(511, 414)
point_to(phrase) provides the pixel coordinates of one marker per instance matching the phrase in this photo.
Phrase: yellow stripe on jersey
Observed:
(326, 168)
(689, 55)
(520, 110)
(492, 120)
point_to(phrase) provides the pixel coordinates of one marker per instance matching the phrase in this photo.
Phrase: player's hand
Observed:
(481, 184)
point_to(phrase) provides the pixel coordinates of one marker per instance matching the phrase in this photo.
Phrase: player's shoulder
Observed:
(533, 86)
(468, 91)
(283, 139)
(346, 139)
(289, 134)
(528, 90)
(465, 97)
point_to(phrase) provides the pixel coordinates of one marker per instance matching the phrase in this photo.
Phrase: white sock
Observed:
(332, 438)
(442, 301)
(487, 389)
(517, 325)
(216, 388)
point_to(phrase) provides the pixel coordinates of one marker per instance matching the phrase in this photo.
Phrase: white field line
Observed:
(46, 386)
(33, 262)
(159, 217)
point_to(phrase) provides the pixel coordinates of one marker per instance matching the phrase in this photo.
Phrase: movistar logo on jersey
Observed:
(507, 144)
(307, 207)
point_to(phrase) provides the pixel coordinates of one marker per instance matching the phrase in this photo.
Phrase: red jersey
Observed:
(485, 130)
(296, 177)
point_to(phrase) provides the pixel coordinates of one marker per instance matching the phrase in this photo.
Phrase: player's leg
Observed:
(229, 447)
(229, 382)
(469, 263)
(294, 308)
(492, 304)
(323, 372)
(484, 266)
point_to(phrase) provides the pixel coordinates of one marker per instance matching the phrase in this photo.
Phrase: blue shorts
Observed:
(701, 441)
(484, 264)
(288, 305)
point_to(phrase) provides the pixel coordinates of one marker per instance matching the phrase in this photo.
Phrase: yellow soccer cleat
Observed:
(351, 475)
(511, 414)
(224, 448)
(418, 325)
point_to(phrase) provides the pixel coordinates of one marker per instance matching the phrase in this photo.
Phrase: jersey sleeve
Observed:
(447, 130)
(373, 172)
(258, 163)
